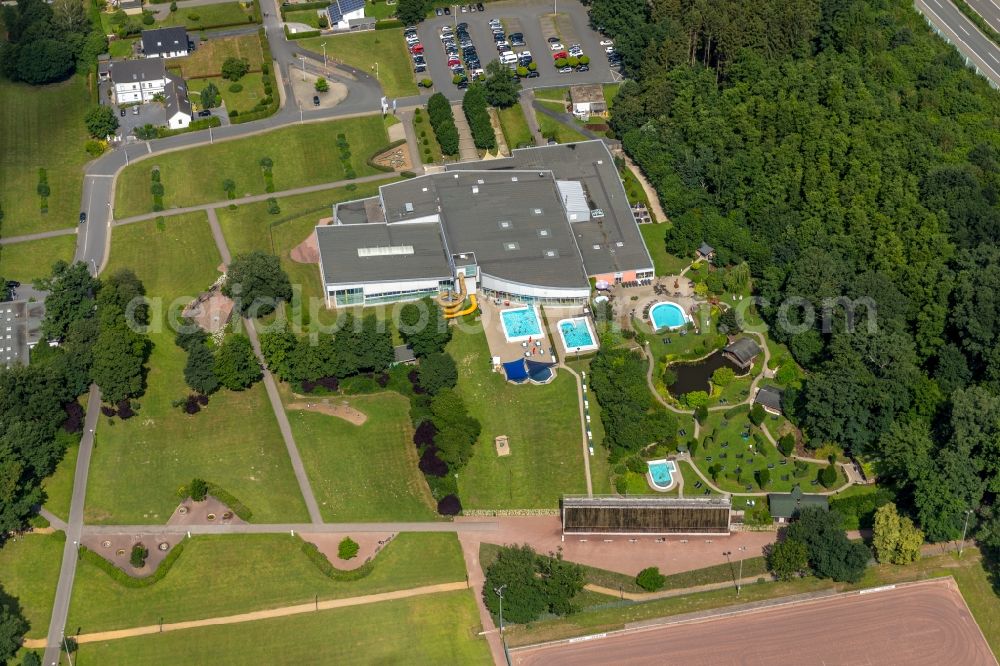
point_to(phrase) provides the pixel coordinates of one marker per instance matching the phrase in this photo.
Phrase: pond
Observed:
(695, 376)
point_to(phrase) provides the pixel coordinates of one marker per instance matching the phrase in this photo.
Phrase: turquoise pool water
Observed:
(576, 333)
(667, 315)
(520, 324)
(662, 472)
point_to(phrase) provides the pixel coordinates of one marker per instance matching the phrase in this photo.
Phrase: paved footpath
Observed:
(285, 611)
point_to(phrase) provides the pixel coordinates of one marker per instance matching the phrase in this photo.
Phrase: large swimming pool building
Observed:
(533, 227)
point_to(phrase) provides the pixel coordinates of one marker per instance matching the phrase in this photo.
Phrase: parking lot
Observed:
(535, 21)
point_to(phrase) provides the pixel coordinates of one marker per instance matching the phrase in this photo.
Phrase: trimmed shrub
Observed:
(347, 549)
(198, 490)
(449, 505)
(650, 579)
(138, 557)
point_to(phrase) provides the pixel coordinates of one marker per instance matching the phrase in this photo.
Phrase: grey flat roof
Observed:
(614, 501)
(591, 163)
(24, 319)
(514, 222)
(342, 264)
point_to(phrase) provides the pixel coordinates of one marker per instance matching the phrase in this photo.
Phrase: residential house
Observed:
(588, 101)
(769, 398)
(137, 80)
(176, 103)
(342, 12)
(165, 42)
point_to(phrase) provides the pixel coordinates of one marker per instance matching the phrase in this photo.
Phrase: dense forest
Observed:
(843, 151)
(42, 42)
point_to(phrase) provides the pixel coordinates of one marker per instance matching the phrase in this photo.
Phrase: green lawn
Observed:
(364, 49)
(431, 629)
(367, 472)
(228, 574)
(243, 101)
(558, 94)
(33, 137)
(515, 127)
(195, 176)
(202, 16)
(121, 48)
(542, 422)
(308, 16)
(549, 127)
(610, 91)
(600, 469)
(252, 227)
(380, 10)
(721, 440)
(29, 570)
(33, 259)
(138, 465)
(59, 486)
(422, 129)
(207, 59)
(664, 262)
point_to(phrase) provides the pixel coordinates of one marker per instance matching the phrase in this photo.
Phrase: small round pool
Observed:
(667, 315)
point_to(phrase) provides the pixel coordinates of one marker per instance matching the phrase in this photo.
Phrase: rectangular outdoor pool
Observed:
(520, 324)
(577, 335)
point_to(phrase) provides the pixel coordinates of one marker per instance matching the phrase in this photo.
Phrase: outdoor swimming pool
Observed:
(577, 335)
(667, 315)
(520, 324)
(661, 474)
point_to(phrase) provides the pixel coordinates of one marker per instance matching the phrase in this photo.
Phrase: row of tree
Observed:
(43, 43)
(231, 365)
(842, 151)
(474, 106)
(632, 421)
(442, 121)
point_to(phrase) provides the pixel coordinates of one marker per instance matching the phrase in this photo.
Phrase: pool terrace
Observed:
(501, 347)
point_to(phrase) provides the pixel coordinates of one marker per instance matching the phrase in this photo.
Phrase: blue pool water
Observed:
(661, 472)
(520, 324)
(667, 315)
(576, 333)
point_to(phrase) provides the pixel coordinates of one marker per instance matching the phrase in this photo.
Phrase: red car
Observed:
(453, 61)
(416, 48)
(560, 54)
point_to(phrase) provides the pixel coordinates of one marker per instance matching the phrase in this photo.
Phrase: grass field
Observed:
(542, 422)
(432, 629)
(663, 262)
(207, 59)
(633, 189)
(242, 101)
(29, 570)
(551, 128)
(196, 175)
(251, 227)
(196, 18)
(138, 465)
(26, 261)
(558, 94)
(59, 486)
(367, 472)
(600, 468)
(972, 578)
(229, 574)
(364, 49)
(33, 137)
(422, 125)
(121, 48)
(308, 16)
(515, 127)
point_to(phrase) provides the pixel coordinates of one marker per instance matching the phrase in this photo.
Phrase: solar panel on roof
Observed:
(333, 11)
(348, 6)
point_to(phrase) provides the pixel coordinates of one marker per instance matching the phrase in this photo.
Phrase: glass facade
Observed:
(519, 298)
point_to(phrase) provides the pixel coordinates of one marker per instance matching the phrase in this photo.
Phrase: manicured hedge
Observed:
(238, 507)
(301, 35)
(332, 572)
(269, 105)
(474, 105)
(123, 578)
(442, 121)
(371, 160)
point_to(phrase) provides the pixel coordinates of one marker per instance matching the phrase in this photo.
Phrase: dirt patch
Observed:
(209, 512)
(503, 445)
(397, 158)
(211, 310)
(369, 544)
(307, 252)
(342, 410)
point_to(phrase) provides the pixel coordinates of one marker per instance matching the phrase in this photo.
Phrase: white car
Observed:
(609, 50)
(576, 52)
(557, 46)
(607, 42)
(524, 54)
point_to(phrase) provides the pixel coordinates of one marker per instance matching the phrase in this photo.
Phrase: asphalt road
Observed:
(989, 10)
(927, 623)
(960, 31)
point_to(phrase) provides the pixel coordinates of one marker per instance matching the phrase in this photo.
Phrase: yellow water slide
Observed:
(473, 305)
(452, 302)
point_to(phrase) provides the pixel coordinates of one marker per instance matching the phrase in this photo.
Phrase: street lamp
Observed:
(732, 572)
(965, 527)
(302, 59)
(499, 591)
(324, 54)
(739, 579)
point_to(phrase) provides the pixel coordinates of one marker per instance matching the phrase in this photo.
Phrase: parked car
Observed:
(472, 8)
(606, 42)
(609, 49)
(439, 11)
(204, 113)
(465, 8)
(420, 69)
(556, 46)
(463, 85)
(135, 110)
(462, 26)
(83, 218)
(315, 100)
(480, 7)
(533, 75)
(575, 51)
(517, 39)
(447, 11)
(561, 54)
(566, 70)
(122, 112)
(553, 40)
(583, 68)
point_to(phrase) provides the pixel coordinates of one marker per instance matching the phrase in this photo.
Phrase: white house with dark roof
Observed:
(342, 12)
(165, 42)
(137, 80)
(176, 103)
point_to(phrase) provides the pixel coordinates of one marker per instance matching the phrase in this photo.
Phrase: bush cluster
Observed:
(475, 107)
(443, 123)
